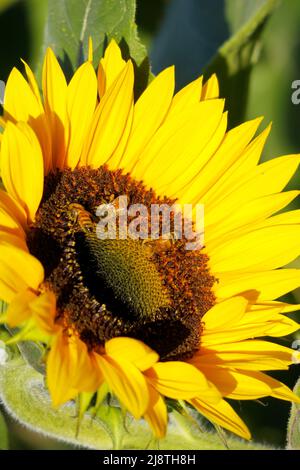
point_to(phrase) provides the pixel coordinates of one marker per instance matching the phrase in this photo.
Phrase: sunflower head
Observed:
(145, 316)
(147, 289)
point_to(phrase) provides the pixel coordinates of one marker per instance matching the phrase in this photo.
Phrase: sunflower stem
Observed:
(293, 431)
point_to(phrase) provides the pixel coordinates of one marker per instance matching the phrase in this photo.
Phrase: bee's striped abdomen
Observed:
(82, 217)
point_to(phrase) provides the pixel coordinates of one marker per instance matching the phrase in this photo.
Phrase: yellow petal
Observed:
(183, 181)
(29, 332)
(19, 309)
(186, 97)
(110, 67)
(247, 355)
(264, 320)
(43, 309)
(23, 103)
(278, 389)
(237, 385)
(133, 351)
(114, 161)
(87, 375)
(41, 127)
(29, 108)
(18, 271)
(224, 313)
(284, 307)
(81, 103)
(79, 369)
(9, 224)
(11, 239)
(219, 166)
(55, 97)
(22, 166)
(2, 122)
(268, 178)
(127, 383)
(12, 215)
(33, 84)
(243, 217)
(90, 50)
(283, 219)
(222, 414)
(149, 112)
(260, 250)
(269, 284)
(157, 415)
(210, 88)
(236, 175)
(180, 380)
(289, 217)
(54, 85)
(61, 362)
(20, 102)
(109, 120)
(276, 325)
(282, 326)
(224, 324)
(178, 142)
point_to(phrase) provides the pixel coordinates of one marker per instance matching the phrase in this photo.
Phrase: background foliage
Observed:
(257, 64)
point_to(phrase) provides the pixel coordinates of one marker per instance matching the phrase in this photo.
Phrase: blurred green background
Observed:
(172, 30)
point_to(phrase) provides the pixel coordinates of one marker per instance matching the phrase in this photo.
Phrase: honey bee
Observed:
(82, 217)
(158, 246)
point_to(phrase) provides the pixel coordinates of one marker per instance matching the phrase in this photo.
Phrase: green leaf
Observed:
(24, 397)
(239, 12)
(33, 354)
(235, 58)
(293, 433)
(70, 23)
(36, 11)
(222, 36)
(3, 433)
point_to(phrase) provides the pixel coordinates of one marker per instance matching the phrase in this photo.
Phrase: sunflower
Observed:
(145, 322)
